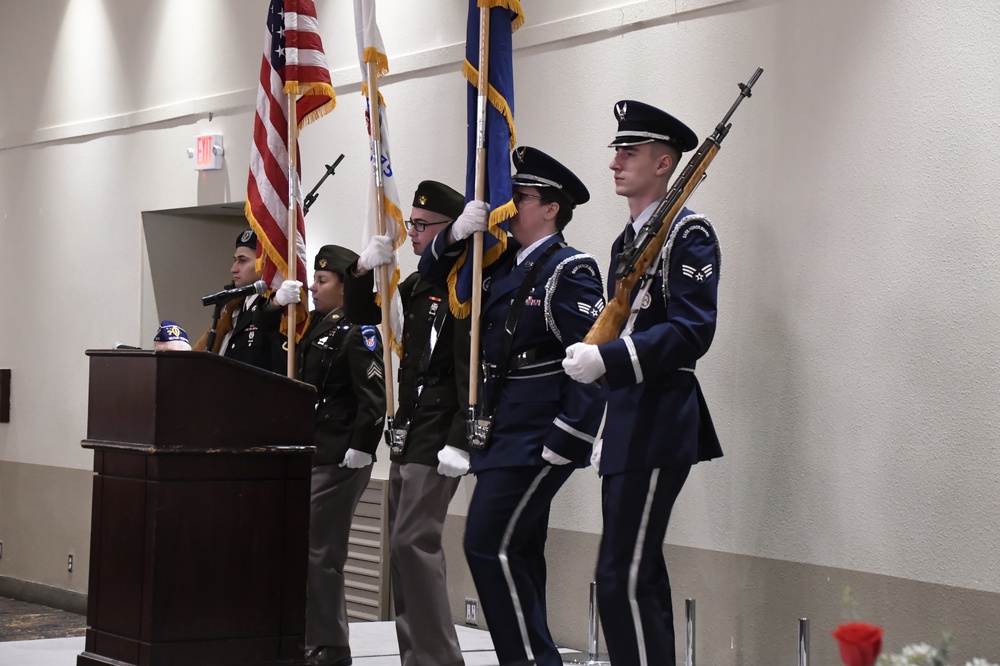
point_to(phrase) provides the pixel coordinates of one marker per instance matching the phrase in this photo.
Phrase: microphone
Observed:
(258, 287)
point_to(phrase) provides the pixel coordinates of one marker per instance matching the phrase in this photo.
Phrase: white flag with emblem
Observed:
(371, 50)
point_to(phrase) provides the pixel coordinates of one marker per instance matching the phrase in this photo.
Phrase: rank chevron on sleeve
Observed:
(697, 274)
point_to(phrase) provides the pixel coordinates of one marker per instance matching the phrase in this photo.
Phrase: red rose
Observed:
(860, 643)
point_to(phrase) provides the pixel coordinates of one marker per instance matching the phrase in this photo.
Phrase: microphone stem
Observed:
(215, 325)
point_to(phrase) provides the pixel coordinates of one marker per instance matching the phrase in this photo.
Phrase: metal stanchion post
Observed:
(803, 641)
(593, 656)
(689, 652)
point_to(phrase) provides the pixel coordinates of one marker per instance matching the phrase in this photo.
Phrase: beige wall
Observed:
(45, 517)
(853, 375)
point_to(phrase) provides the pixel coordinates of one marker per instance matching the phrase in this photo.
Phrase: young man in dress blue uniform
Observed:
(543, 424)
(657, 425)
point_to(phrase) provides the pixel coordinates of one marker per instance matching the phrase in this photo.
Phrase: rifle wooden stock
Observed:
(617, 311)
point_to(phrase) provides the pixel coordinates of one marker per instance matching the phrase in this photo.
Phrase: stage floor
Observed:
(372, 644)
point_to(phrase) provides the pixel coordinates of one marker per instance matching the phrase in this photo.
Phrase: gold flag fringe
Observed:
(497, 100)
(394, 346)
(364, 93)
(380, 59)
(392, 211)
(296, 88)
(462, 310)
(512, 5)
(271, 254)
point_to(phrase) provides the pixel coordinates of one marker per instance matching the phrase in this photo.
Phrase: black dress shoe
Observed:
(330, 656)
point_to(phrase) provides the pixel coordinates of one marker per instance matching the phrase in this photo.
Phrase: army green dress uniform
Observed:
(433, 401)
(343, 360)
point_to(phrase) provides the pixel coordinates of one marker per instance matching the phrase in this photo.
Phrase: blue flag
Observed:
(505, 17)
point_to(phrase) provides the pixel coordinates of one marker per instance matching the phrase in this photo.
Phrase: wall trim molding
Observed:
(45, 595)
(611, 22)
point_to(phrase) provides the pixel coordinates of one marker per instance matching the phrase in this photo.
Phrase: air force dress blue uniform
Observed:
(536, 407)
(658, 424)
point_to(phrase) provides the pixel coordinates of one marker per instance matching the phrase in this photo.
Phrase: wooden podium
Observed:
(199, 532)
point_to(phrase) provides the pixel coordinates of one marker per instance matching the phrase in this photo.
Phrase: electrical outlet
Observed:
(471, 612)
(69, 563)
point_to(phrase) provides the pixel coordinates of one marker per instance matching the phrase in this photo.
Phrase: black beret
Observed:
(334, 258)
(247, 239)
(536, 169)
(439, 198)
(641, 123)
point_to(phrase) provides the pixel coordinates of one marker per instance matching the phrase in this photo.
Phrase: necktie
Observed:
(629, 234)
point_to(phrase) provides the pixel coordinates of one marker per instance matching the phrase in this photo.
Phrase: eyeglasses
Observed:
(517, 197)
(421, 226)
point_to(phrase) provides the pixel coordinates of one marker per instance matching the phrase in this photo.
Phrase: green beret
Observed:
(439, 198)
(334, 258)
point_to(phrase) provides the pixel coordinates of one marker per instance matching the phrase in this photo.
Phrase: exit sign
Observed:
(208, 152)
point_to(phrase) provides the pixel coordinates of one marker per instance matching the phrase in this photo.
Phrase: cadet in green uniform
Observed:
(343, 360)
(429, 450)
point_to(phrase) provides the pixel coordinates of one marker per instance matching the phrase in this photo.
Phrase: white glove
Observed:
(378, 253)
(474, 218)
(355, 459)
(553, 458)
(583, 363)
(453, 462)
(595, 456)
(290, 291)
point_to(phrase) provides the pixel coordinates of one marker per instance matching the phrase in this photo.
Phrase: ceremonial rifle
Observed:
(314, 192)
(633, 261)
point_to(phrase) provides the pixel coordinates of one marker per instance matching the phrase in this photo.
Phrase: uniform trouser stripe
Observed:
(633, 571)
(505, 564)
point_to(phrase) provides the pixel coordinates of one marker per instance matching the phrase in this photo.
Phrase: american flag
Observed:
(293, 63)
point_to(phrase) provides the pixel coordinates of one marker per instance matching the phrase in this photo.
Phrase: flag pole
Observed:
(293, 196)
(375, 121)
(477, 238)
